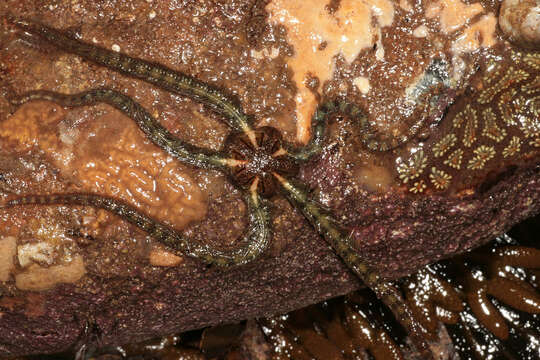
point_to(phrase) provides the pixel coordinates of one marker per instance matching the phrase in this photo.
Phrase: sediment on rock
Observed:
(444, 167)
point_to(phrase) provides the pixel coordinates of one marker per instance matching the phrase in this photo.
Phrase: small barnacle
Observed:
(534, 104)
(407, 173)
(510, 77)
(532, 86)
(493, 70)
(533, 60)
(508, 108)
(469, 134)
(483, 153)
(440, 179)
(454, 159)
(491, 129)
(530, 126)
(418, 187)
(513, 147)
(467, 113)
(444, 145)
(413, 168)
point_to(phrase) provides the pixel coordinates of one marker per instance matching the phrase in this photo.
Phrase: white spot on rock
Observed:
(40, 252)
(362, 83)
(8, 249)
(421, 31)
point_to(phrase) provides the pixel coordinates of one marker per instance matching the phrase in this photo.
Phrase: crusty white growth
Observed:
(520, 21)
(8, 248)
(318, 36)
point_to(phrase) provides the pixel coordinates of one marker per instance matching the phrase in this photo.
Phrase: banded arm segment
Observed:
(153, 73)
(339, 239)
(157, 133)
(254, 241)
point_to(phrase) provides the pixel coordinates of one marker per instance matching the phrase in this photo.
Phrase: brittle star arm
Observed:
(257, 234)
(434, 80)
(319, 124)
(370, 137)
(150, 72)
(339, 240)
(157, 133)
(254, 241)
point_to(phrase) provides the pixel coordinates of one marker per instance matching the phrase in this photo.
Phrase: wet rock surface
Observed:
(125, 285)
(520, 21)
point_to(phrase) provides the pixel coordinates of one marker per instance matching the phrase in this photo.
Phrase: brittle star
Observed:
(256, 160)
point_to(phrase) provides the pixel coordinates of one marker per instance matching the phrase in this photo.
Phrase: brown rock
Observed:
(122, 297)
(520, 21)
